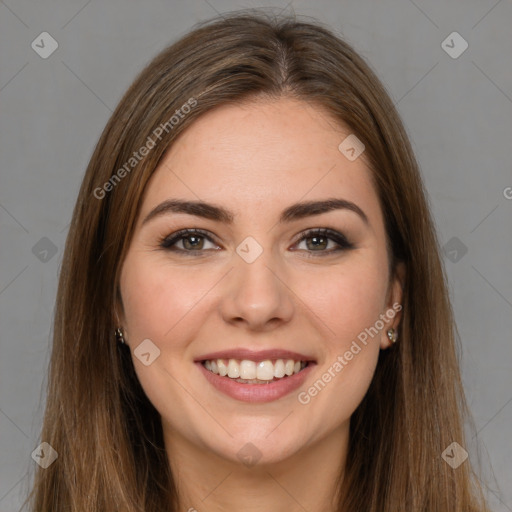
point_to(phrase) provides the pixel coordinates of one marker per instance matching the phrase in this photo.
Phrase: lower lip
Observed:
(257, 392)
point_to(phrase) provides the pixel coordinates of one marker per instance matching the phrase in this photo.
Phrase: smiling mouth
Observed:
(250, 372)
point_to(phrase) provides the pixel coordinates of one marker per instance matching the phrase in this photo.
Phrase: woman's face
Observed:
(254, 287)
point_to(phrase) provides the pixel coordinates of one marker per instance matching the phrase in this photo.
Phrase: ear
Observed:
(393, 312)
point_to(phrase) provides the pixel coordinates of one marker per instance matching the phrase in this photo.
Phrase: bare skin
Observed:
(255, 160)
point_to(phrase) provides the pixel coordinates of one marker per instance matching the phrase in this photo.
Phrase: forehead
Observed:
(262, 154)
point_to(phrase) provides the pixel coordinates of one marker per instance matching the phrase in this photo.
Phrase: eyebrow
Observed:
(218, 213)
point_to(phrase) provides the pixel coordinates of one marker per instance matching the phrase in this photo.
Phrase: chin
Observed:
(257, 446)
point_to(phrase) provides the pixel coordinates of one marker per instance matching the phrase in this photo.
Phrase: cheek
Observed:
(156, 298)
(159, 305)
(349, 301)
(347, 298)
(349, 308)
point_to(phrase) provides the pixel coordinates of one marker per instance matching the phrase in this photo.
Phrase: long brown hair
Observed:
(106, 432)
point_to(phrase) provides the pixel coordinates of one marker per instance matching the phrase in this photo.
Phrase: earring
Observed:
(392, 335)
(119, 335)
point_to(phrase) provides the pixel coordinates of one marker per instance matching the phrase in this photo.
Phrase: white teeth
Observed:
(248, 370)
(279, 369)
(233, 369)
(264, 370)
(222, 368)
(252, 372)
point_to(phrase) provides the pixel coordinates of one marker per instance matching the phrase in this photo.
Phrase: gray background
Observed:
(458, 112)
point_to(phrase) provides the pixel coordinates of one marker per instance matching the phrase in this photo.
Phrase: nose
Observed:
(257, 295)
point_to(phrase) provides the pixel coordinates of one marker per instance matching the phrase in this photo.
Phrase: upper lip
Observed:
(261, 355)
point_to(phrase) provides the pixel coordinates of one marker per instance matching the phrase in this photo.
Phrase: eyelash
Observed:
(168, 241)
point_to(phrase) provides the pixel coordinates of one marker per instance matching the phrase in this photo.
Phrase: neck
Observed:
(306, 480)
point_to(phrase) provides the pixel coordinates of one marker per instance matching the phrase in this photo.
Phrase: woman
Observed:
(252, 312)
